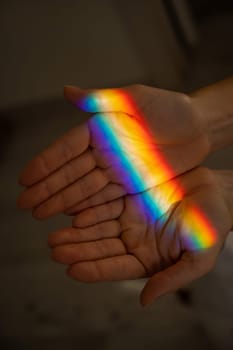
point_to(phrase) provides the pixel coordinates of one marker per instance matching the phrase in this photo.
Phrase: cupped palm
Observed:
(120, 240)
(79, 166)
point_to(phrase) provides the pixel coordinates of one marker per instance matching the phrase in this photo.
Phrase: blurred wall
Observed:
(46, 44)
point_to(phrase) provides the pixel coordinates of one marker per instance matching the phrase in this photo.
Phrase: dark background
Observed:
(177, 44)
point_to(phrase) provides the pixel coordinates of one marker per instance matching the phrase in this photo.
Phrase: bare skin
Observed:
(116, 241)
(72, 173)
(111, 239)
(74, 167)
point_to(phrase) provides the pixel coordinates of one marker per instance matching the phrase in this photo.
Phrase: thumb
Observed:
(101, 100)
(187, 269)
(76, 95)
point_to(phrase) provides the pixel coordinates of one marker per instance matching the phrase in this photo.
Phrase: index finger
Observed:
(64, 149)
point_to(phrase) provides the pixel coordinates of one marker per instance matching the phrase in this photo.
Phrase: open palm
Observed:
(118, 240)
(84, 163)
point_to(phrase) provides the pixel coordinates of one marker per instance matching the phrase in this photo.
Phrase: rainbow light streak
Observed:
(130, 148)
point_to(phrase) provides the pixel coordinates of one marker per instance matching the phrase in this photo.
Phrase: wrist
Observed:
(214, 106)
(225, 179)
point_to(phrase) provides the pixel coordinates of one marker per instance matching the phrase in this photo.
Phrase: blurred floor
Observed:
(41, 308)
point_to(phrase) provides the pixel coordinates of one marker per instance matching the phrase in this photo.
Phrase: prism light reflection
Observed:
(127, 142)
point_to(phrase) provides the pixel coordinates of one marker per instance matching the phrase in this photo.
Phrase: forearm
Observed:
(215, 106)
(225, 178)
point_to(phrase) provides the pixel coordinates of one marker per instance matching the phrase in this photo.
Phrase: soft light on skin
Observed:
(129, 144)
